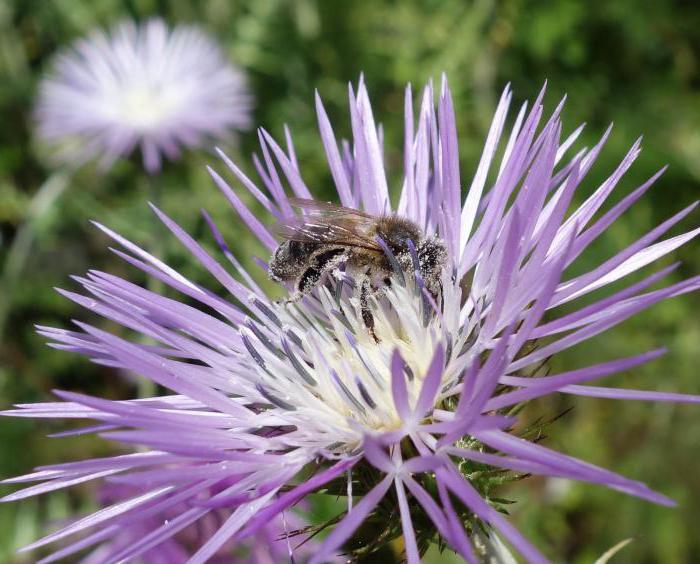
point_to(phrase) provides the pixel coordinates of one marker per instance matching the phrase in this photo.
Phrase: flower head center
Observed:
(334, 379)
(146, 104)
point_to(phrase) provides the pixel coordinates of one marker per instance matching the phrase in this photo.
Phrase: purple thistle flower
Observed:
(145, 84)
(272, 402)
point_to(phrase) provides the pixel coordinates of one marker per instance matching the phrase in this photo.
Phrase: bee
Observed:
(329, 235)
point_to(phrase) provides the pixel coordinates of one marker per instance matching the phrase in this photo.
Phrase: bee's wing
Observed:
(327, 209)
(330, 224)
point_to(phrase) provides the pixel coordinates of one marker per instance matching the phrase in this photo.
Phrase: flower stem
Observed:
(19, 251)
(147, 388)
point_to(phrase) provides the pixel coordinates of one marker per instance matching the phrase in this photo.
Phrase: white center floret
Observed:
(145, 106)
(333, 380)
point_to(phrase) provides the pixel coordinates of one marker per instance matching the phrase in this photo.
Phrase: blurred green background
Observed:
(638, 66)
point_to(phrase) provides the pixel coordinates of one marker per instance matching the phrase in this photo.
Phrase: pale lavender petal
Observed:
(253, 223)
(537, 387)
(572, 320)
(399, 391)
(620, 393)
(431, 383)
(292, 174)
(409, 535)
(451, 184)
(570, 288)
(374, 454)
(248, 184)
(569, 466)
(101, 516)
(333, 155)
(458, 535)
(475, 191)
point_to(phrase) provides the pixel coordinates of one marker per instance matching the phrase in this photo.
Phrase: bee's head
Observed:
(289, 260)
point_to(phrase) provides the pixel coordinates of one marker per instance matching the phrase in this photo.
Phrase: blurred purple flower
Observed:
(270, 544)
(273, 402)
(144, 85)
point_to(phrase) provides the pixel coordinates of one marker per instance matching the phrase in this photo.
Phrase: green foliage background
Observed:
(631, 62)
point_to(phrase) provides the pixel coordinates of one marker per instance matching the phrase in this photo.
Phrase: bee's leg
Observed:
(308, 280)
(321, 264)
(327, 261)
(305, 283)
(365, 292)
